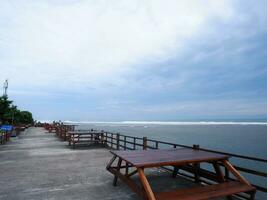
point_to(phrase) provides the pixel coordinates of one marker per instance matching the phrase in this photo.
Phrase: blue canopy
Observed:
(6, 128)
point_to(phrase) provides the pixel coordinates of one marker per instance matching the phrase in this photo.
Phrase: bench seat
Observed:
(206, 192)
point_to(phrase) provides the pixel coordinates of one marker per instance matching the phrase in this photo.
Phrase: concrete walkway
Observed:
(37, 165)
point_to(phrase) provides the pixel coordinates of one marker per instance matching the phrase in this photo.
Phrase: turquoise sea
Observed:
(245, 138)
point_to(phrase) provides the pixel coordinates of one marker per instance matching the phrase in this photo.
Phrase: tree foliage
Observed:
(10, 114)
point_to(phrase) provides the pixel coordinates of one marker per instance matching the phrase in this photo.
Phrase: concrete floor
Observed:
(37, 165)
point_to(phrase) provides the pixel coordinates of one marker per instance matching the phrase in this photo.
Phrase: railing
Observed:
(4, 136)
(124, 142)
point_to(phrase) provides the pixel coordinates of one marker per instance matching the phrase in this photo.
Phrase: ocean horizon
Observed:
(180, 122)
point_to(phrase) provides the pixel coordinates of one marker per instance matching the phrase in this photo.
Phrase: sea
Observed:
(237, 137)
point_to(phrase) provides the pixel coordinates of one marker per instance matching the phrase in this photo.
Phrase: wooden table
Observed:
(84, 137)
(138, 160)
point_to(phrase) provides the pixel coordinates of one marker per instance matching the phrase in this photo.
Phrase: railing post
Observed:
(111, 140)
(196, 147)
(196, 166)
(118, 141)
(102, 138)
(134, 145)
(105, 139)
(124, 142)
(144, 143)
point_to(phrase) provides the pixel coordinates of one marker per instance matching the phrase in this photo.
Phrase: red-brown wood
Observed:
(144, 181)
(141, 159)
(164, 157)
(230, 167)
(85, 137)
(205, 192)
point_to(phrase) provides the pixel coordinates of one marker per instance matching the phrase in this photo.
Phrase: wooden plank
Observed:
(85, 137)
(132, 173)
(196, 172)
(175, 171)
(228, 165)
(118, 170)
(144, 181)
(129, 182)
(218, 172)
(144, 143)
(165, 157)
(205, 192)
(127, 169)
(111, 161)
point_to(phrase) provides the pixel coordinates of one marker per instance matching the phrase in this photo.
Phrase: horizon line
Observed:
(200, 122)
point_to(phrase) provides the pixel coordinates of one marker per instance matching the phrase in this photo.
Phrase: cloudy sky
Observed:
(112, 60)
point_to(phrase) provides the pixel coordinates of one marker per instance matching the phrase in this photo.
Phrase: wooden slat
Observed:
(132, 173)
(149, 192)
(136, 188)
(206, 192)
(218, 172)
(111, 161)
(235, 172)
(118, 171)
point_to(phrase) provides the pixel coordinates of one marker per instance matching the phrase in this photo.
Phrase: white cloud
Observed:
(207, 108)
(96, 42)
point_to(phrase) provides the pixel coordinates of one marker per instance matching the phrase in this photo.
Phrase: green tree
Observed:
(5, 106)
(26, 117)
(10, 114)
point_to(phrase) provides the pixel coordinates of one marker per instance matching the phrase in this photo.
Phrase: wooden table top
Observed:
(165, 157)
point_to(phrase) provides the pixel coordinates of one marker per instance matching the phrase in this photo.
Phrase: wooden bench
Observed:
(207, 192)
(62, 133)
(140, 160)
(91, 137)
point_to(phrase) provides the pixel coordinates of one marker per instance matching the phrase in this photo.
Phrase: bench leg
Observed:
(252, 195)
(111, 162)
(220, 175)
(175, 171)
(117, 171)
(196, 174)
(235, 172)
(149, 193)
(127, 169)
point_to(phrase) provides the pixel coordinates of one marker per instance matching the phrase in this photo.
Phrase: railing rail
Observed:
(125, 142)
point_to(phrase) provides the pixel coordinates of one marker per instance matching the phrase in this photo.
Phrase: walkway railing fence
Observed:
(252, 167)
(204, 174)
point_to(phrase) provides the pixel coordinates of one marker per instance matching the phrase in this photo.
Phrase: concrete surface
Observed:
(37, 165)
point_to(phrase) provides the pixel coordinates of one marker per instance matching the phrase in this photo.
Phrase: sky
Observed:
(116, 60)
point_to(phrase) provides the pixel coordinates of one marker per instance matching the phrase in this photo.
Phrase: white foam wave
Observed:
(170, 123)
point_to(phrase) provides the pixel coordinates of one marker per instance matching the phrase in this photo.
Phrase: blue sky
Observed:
(107, 60)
